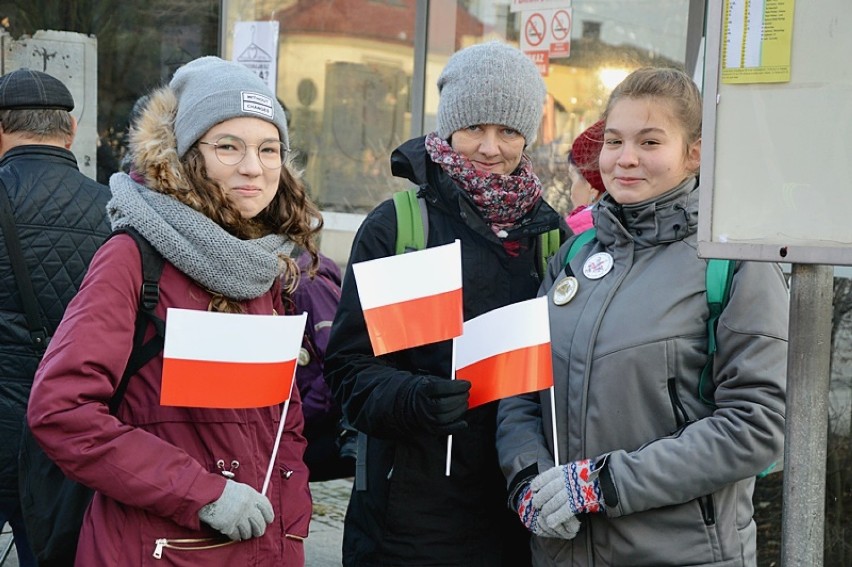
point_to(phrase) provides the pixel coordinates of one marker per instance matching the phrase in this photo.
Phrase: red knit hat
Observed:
(585, 152)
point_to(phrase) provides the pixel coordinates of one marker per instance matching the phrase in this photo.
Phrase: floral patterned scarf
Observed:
(501, 199)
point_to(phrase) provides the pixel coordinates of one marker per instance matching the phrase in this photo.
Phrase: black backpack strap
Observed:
(149, 297)
(38, 331)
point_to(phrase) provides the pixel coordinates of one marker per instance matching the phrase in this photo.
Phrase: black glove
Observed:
(438, 404)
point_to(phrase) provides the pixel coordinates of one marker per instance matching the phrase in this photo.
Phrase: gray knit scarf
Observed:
(194, 244)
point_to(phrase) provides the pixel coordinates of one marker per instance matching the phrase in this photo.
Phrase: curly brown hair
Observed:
(291, 212)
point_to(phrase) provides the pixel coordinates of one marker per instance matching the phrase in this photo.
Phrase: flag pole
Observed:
(450, 437)
(553, 420)
(278, 435)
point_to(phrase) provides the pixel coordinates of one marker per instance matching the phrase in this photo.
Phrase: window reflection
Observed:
(345, 70)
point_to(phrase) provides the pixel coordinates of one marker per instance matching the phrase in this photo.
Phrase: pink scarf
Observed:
(501, 199)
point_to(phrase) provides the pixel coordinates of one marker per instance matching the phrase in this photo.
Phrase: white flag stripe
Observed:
(508, 328)
(232, 337)
(386, 281)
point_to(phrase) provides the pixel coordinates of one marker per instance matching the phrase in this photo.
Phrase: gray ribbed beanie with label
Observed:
(210, 90)
(490, 83)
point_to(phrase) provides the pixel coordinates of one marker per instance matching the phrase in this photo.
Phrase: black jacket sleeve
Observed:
(372, 391)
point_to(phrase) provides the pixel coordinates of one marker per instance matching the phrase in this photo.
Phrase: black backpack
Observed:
(52, 505)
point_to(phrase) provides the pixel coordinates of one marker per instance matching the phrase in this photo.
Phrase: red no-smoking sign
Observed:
(535, 29)
(560, 33)
(560, 25)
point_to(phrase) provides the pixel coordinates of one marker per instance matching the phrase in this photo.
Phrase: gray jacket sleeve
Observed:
(737, 439)
(744, 434)
(521, 444)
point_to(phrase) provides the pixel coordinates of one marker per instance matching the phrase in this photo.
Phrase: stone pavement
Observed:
(11, 558)
(322, 548)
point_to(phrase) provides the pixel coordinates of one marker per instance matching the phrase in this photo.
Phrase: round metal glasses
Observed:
(231, 150)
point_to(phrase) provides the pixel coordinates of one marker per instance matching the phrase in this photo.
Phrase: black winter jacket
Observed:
(61, 219)
(404, 510)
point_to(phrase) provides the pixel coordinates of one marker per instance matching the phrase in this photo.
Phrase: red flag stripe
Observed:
(214, 384)
(416, 322)
(508, 374)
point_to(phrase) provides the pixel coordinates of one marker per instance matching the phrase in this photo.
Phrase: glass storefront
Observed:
(139, 45)
(358, 76)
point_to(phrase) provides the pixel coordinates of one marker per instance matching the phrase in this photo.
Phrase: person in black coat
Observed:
(479, 188)
(60, 217)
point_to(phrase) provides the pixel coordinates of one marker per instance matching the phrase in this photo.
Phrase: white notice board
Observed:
(776, 168)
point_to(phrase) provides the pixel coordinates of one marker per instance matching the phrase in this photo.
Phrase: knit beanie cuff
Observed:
(491, 83)
(210, 90)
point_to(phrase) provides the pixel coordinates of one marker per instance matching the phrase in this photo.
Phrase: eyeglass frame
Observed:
(216, 144)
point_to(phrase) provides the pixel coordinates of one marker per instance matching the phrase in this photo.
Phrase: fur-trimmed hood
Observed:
(153, 146)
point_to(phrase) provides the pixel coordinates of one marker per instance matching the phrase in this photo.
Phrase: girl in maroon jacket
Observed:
(212, 192)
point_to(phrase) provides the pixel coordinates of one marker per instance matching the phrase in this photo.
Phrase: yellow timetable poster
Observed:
(756, 41)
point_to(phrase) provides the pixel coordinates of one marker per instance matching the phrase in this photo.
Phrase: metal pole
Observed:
(418, 78)
(803, 523)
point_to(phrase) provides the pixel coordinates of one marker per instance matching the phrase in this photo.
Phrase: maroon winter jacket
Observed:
(153, 466)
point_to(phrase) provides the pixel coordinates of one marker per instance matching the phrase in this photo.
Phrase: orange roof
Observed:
(385, 20)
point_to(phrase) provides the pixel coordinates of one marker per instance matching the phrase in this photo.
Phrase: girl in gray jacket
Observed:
(651, 472)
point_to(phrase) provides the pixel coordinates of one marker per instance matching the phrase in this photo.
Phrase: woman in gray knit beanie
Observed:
(211, 190)
(475, 185)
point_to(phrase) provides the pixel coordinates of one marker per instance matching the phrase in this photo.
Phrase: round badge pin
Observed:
(597, 265)
(304, 357)
(565, 290)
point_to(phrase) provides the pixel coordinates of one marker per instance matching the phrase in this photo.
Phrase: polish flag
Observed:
(506, 352)
(229, 360)
(411, 299)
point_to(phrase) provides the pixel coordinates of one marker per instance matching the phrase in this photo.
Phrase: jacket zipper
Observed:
(681, 415)
(187, 544)
(708, 508)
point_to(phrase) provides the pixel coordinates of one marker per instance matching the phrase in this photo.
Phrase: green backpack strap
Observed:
(719, 275)
(579, 241)
(718, 279)
(410, 225)
(548, 245)
(412, 228)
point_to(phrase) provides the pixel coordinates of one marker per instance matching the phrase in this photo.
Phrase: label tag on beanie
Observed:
(257, 103)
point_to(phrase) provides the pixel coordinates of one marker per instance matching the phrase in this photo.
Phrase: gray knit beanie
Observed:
(490, 83)
(210, 90)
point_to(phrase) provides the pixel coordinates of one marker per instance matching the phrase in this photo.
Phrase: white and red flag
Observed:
(229, 360)
(506, 352)
(411, 299)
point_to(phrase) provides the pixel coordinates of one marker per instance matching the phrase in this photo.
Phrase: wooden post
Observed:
(803, 523)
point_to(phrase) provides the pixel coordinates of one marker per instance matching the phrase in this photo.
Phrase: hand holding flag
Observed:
(230, 360)
(439, 404)
(506, 352)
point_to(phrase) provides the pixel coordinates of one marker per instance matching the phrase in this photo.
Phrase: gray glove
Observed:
(532, 518)
(240, 513)
(566, 491)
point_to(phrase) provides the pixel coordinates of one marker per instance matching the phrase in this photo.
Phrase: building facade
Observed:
(358, 76)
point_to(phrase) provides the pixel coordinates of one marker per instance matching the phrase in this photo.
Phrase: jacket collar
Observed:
(39, 151)
(411, 161)
(669, 217)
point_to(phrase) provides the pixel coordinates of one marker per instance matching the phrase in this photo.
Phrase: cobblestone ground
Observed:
(322, 548)
(11, 559)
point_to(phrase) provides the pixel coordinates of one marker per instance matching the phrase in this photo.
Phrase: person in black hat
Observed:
(59, 215)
